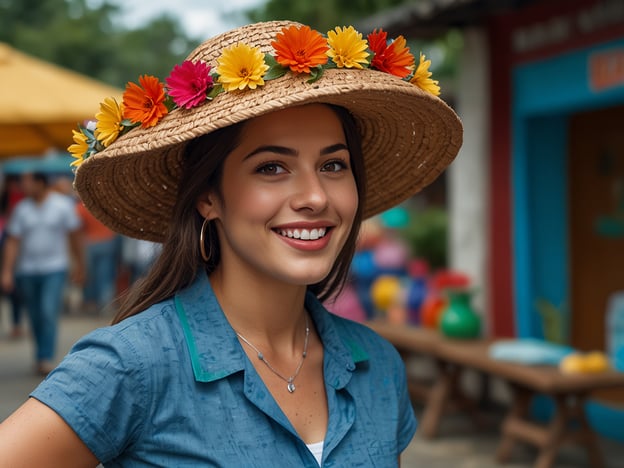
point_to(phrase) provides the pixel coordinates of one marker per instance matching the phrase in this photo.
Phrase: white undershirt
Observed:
(317, 450)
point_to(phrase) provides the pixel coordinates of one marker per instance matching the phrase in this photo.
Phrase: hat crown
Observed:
(255, 35)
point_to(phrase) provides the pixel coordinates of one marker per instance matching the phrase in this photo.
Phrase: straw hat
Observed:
(409, 136)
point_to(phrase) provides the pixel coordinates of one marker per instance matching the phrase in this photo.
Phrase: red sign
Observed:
(606, 69)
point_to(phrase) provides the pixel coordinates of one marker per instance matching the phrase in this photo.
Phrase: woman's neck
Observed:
(259, 308)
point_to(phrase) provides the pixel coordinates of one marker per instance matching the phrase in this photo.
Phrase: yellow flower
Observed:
(241, 66)
(79, 149)
(422, 78)
(109, 119)
(347, 48)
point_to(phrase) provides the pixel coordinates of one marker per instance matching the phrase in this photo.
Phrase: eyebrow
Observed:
(292, 152)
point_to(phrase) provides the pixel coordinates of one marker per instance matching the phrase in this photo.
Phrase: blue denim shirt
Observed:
(173, 387)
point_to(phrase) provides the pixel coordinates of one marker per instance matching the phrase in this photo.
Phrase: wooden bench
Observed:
(568, 391)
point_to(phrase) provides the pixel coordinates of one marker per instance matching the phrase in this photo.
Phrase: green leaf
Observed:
(270, 60)
(214, 92)
(169, 103)
(315, 74)
(88, 133)
(97, 147)
(275, 71)
(369, 57)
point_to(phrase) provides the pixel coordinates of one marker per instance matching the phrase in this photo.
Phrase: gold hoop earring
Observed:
(202, 247)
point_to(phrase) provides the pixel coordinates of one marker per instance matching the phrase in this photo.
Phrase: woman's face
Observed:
(288, 197)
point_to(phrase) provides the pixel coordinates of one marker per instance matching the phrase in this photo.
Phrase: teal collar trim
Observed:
(212, 344)
(216, 353)
(200, 374)
(358, 354)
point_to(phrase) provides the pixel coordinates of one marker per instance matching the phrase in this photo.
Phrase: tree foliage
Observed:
(86, 37)
(321, 14)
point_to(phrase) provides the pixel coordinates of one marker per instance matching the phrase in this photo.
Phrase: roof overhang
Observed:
(432, 18)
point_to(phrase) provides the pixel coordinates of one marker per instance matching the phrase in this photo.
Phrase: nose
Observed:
(309, 192)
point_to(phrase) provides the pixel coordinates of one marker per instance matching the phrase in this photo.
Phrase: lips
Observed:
(302, 233)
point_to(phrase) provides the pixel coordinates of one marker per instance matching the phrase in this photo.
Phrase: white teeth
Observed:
(304, 234)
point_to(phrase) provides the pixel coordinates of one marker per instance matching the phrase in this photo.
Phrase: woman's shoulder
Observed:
(138, 336)
(107, 385)
(349, 326)
(359, 334)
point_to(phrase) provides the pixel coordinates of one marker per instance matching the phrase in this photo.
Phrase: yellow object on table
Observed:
(584, 363)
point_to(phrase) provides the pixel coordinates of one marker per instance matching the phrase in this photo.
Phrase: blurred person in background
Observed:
(102, 257)
(11, 195)
(137, 256)
(41, 232)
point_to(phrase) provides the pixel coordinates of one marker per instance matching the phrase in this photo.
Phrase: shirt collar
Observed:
(216, 352)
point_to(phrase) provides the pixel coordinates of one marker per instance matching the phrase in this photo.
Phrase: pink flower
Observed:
(189, 83)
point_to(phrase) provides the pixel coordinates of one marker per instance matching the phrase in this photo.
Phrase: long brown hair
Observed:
(180, 259)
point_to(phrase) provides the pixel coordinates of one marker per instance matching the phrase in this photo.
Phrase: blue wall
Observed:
(540, 218)
(545, 94)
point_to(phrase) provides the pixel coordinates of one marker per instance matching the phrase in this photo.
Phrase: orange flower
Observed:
(395, 58)
(145, 104)
(300, 48)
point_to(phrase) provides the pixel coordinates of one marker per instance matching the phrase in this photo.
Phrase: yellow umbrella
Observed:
(40, 103)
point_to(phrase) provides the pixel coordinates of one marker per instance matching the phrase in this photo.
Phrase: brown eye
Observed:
(270, 169)
(334, 166)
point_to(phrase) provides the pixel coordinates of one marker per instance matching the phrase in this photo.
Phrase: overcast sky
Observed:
(201, 18)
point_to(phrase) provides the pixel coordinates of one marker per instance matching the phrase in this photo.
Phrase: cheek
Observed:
(346, 200)
(252, 202)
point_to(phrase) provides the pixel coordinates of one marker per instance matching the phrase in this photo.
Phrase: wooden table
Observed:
(568, 391)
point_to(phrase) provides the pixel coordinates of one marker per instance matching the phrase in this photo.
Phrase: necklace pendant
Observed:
(291, 387)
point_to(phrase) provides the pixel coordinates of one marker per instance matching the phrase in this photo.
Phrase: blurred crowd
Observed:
(56, 258)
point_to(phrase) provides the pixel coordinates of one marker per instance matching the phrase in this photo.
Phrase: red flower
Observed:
(145, 103)
(300, 48)
(395, 58)
(188, 83)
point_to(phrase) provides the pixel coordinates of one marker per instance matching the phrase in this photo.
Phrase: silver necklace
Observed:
(290, 381)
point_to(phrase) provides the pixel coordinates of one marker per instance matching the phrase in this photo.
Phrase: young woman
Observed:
(256, 183)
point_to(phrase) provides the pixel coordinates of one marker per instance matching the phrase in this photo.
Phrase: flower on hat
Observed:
(188, 84)
(145, 103)
(394, 58)
(80, 148)
(300, 49)
(241, 66)
(109, 121)
(422, 77)
(347, 48)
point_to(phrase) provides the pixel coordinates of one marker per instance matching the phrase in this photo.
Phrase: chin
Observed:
(307, 278)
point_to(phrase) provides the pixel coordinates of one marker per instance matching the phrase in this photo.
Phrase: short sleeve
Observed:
(15, 225)
(98, 390)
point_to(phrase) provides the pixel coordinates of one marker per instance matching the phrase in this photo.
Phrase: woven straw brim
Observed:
(408, 138)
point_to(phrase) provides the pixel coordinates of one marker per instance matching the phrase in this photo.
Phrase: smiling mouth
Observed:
(303, 234)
